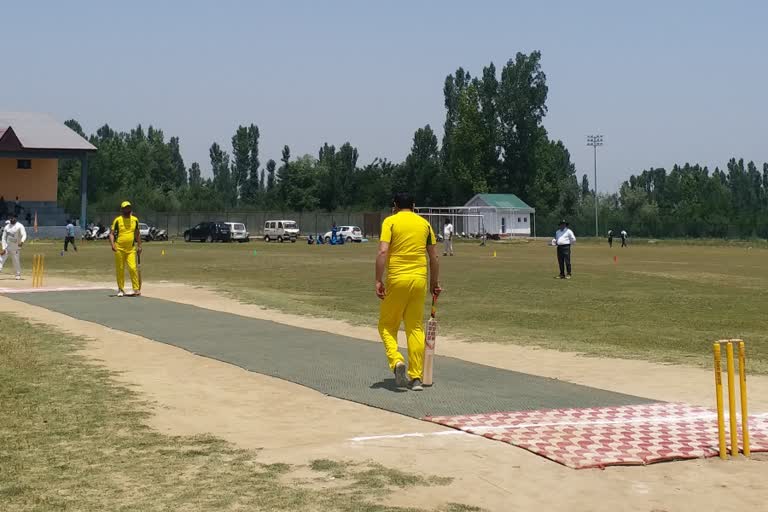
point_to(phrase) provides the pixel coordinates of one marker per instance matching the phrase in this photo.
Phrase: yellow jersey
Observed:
(408, 235)
(126, 231)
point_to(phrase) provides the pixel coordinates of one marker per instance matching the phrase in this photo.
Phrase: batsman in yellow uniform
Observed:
(126, 244)
(407, 242)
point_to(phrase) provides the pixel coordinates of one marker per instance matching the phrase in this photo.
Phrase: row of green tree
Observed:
(493, 141)
(688, 201)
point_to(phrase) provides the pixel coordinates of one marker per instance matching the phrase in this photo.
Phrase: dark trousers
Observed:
(69, 240)
(564, 259)
(610, 241)
(623, 242)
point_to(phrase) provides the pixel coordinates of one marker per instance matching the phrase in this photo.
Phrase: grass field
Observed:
(662, 301)
(73, 439)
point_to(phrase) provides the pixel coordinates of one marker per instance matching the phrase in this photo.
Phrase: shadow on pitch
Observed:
(389, 385)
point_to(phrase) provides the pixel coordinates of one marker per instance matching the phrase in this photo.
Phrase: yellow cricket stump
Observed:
(719, 398)
(38, 269)
(732, 419)
(743, 392)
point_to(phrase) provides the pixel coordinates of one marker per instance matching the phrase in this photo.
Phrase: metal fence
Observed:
(309, 222)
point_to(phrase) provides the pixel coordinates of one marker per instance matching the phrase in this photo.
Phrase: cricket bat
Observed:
(429, 345)
(138, 267)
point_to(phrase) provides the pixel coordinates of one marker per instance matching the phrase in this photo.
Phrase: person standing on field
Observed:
(69, 237)
(610, 238)
(406, 244)
(564, 237)
(624, 236)
(126, 244)
(13, 238)
(448, 238)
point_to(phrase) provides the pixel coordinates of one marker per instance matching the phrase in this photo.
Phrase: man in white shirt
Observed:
(564, 237)
(13, 238)
(448, 238)
(624, 236)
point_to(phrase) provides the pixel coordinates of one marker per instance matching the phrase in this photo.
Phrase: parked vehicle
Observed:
(96, 232)
(159, 235)
(103, 232)
(239, 233)
(347, 233)
(281, 230)
(91, 232)
(208, 232)
(144, 231)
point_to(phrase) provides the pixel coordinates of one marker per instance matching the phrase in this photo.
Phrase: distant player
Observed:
(13, 238)
(407, 242)
(624, 236)
(69, 237)
(610, 238)
(447, 238)
(126, 244)
(564, 237)
(334, 234)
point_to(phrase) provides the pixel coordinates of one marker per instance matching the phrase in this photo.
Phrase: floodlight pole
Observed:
(594, 141)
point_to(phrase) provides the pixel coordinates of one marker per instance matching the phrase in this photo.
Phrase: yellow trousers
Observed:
(127, 258)
(404, 301)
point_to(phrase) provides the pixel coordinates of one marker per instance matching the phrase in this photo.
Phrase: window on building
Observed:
(23, 164)
(519, 220)
(525, 219)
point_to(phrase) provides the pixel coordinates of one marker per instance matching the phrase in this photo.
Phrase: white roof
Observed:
(42, 131)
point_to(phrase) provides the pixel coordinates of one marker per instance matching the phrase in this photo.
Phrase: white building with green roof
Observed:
(502, 215)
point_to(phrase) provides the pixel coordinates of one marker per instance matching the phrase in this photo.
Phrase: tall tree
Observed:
(452, 89)
(254, 184)
(301, 185)
(584, 186)
(284, 175)
(329, 186)
(467, 149)
(195, 178)
(488, 92)
(346, 165)
(421, 170)
(270, 175)
(522, 106)
(222, 181)
(241, 161)
(177, 162)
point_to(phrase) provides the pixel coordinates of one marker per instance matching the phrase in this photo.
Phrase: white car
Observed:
(238, 233)
(348, 233)
(144, 231)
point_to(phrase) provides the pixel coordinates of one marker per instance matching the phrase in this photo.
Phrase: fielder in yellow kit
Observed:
(406, 241)
(126, 243)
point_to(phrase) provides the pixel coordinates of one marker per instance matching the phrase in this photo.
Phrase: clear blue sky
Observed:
(664, 82)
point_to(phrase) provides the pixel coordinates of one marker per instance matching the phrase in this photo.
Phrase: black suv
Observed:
(209, 232)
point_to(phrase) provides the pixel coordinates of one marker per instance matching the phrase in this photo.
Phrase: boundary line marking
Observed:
(412, 434)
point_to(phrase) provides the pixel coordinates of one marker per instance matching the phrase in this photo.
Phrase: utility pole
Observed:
(594, 141)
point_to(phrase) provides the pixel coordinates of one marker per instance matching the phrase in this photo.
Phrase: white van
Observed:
(237, 232)
(281, 230)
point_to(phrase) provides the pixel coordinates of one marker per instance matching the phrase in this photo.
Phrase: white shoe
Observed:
(18, 278)
(120, 293)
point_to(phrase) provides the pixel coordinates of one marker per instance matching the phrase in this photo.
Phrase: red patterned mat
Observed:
(606, 436)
